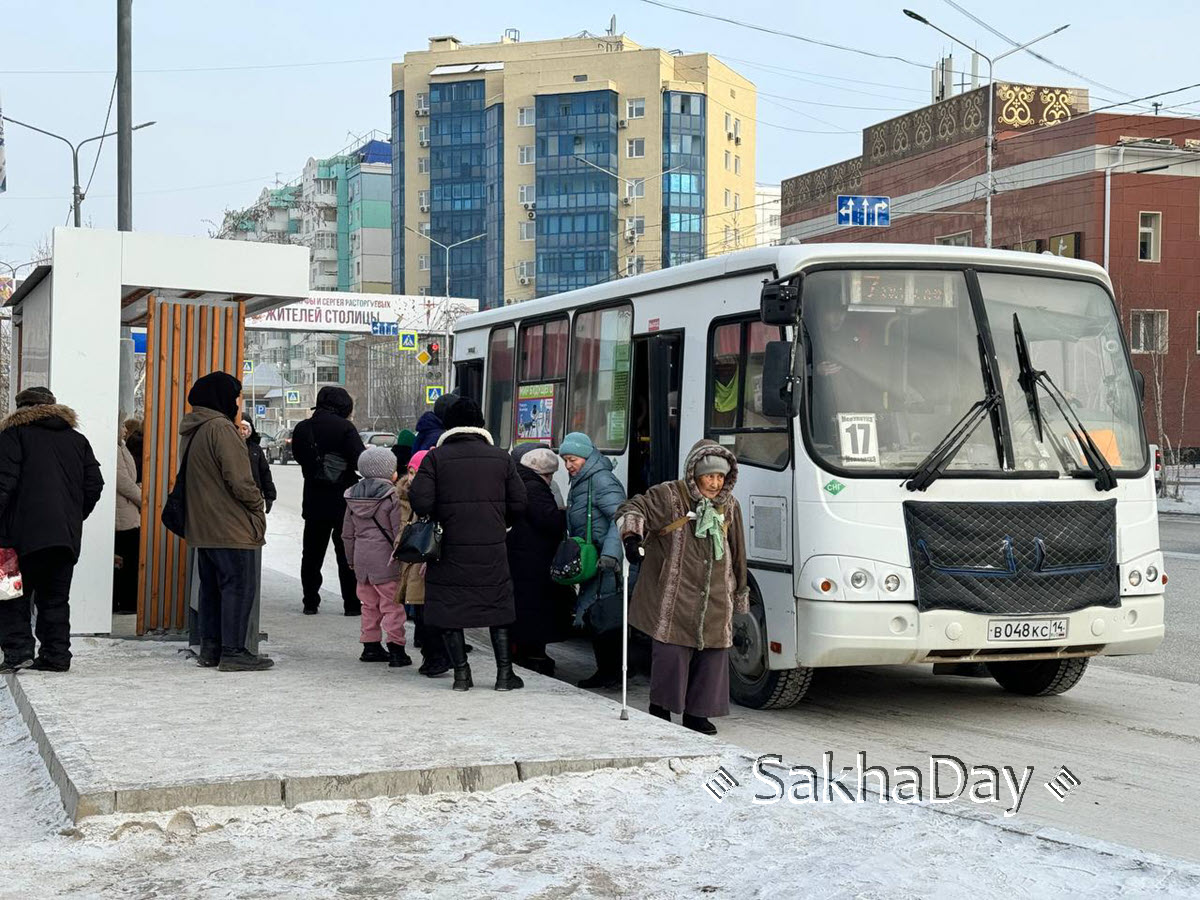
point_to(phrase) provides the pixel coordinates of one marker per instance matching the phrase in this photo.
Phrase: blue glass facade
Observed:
(493, 293)
(576, 204)
(683, 190)
(398, 192)
(457, 183)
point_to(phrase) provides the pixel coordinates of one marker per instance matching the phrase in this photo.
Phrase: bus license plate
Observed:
(1026, 629)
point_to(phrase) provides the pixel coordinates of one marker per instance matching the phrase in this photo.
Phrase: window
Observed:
(728, 197)
(422, 165)
(735, 420)
(728, 235)
(635, 148)
(1065, 245)
(962, 239)
(635, 188)
(526, 193)
(423, 102)
(542, 383)
(1034, 246)
(737, 201)
(528, 231)
(634, 265)
(728, 160)
(525, 154)
(737, 165)
(600, 360)
(685, 104)
(580, 78)
(500, 384)
(1148, 331)
(635, 225)
(737, 129)
(728, 123)
(423, 262)
(1149, 236)
(635, 108)
(526, 115)
(329, 374)
(423, 198)
(526, 268)
(423, 134)
(423, 290)
(423, 228)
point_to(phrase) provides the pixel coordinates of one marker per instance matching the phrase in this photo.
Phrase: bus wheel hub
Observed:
(747, 654)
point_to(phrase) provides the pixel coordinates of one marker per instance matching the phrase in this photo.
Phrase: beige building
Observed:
(547, 158)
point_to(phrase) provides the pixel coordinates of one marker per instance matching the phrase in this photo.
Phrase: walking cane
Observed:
(624, 639)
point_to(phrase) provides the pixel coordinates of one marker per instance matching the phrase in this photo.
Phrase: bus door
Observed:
(657, 382)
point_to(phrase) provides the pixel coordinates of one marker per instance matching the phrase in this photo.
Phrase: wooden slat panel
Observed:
(149, 495)
(162, 414)
(178, 551)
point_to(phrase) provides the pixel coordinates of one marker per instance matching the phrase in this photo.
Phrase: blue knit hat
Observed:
(577, 444)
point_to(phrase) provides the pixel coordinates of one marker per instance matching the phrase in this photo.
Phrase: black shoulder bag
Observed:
(174, 514)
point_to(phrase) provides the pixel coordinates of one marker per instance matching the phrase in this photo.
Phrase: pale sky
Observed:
(222, 135)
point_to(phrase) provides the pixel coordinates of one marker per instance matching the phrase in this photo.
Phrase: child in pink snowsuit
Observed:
(369, 532)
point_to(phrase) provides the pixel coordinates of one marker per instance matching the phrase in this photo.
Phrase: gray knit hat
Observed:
(377, 462)
(711, 464)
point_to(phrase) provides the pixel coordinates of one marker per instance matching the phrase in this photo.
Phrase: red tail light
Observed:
(1157, 460)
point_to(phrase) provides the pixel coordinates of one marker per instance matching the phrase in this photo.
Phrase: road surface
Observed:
(1130, 731)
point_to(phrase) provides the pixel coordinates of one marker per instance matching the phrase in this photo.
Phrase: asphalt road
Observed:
(1129, 731)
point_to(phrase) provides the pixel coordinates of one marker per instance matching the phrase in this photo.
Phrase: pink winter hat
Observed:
(415, 462)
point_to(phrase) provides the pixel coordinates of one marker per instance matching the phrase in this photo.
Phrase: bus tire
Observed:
(1038, 677)
(751, 683)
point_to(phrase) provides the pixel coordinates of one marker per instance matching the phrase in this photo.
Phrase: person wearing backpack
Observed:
(688, 537)
(327, 447)
(592, 504)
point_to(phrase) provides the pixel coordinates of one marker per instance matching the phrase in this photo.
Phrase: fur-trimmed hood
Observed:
(42, 415)
(701, 449)
(465, 432)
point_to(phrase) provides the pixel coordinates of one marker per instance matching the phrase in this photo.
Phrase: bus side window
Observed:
(735, 418)
(601, 358)
(501, 348)
(542, 382)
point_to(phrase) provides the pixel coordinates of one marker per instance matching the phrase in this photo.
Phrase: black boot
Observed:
(373, 652)
(244, 661)
(456, 650)
(699, 723)
(397, 657)
(660, 711)
(607, 648)
(433, 653)
(506, 679)
(210, 655)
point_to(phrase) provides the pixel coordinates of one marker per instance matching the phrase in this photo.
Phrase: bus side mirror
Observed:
(1139, 382)
(780, 386)
(779, 303)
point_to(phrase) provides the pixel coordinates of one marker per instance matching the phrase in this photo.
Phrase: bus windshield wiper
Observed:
(932, 467)
(1029, 379)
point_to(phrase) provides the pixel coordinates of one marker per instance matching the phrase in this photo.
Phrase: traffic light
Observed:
(433, 348)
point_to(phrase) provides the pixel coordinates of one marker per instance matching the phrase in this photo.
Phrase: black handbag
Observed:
(333, 467)
(174, 514)
(420, 542)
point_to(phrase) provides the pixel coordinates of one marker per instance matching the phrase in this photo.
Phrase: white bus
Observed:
(954, 471)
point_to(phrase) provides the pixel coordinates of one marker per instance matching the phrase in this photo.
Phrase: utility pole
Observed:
(124, 115)
(448, 363)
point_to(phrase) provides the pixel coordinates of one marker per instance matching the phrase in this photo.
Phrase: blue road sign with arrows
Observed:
(387, 329)
(871, 212)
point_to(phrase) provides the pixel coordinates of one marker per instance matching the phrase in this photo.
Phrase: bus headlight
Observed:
(859, 579)
(891, 584)
(1151, 573)
(1135, 577)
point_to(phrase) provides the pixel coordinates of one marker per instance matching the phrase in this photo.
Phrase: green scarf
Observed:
(710, 523)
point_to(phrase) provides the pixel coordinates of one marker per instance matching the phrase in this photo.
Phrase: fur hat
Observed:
(542, 460)
(377, 462)
(36, 396)
(711, 464)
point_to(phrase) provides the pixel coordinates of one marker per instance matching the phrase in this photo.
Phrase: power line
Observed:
(784, 70)
(103, 131)
(179, 69)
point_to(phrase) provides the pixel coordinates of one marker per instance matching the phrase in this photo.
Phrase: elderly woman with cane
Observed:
(688, 537)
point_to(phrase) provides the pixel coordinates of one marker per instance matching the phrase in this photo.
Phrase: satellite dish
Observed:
(612, 25)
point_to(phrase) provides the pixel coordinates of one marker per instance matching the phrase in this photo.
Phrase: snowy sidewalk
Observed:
(136, 726)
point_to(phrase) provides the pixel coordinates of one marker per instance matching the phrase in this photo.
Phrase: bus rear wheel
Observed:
(751, 682)
(1038, 677)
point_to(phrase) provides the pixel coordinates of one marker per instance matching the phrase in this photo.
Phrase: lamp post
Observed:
(991, 116)
(446, 312)
(628, 183)
(77, 192)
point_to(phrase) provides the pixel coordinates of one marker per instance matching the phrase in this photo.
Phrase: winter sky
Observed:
(222, 135)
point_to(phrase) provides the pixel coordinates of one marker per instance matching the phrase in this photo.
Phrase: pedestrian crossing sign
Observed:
(292, 398)
(247, 367)
(408, 340)
(432, 393)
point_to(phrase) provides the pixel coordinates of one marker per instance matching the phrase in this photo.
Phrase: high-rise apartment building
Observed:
(562, 163)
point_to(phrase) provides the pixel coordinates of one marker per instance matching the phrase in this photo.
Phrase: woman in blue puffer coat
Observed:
(599, 603)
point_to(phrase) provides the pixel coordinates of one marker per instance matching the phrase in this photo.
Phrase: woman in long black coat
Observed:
(531, 545)
(473, 491)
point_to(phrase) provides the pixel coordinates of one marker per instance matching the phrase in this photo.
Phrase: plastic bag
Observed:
(10, 575)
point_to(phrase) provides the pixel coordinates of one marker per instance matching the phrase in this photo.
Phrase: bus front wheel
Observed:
(1039, 677)
(751, 682)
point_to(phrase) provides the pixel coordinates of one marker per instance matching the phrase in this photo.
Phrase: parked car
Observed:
(378, 438)
(281, 448)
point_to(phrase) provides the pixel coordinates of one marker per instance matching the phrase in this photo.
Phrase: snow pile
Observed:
(1189, 505)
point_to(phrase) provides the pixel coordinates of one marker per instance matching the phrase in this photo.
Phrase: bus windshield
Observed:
(895, 363)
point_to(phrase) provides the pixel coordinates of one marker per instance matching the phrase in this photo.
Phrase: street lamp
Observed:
(991, 117)
(447, 248)
(77, 193)
(628, 183)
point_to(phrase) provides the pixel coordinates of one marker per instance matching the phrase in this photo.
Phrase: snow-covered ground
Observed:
(1189, 505)
(647, 833)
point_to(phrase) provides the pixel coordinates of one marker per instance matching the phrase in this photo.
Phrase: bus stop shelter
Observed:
(192, 295)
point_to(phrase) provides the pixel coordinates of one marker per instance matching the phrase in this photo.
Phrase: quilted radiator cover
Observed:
(1014, 558)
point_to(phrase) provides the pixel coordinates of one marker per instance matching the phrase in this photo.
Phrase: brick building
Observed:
(1119, 190)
